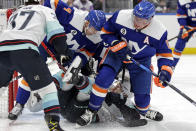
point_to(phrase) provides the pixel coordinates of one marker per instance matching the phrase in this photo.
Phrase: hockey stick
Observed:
(124, 122)
(172, 38)
(169, 84)
(53, 56)
(188, 31)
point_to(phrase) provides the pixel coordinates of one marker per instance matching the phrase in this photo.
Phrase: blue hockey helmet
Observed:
(144, 10)
(96, 19)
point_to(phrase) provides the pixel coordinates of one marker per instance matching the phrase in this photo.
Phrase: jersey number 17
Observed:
(29, 15)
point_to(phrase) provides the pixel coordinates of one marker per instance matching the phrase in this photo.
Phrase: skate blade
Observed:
(134, 123)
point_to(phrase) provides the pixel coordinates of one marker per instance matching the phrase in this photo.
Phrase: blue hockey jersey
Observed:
(142, 44)
(186, 12)
(73, 20)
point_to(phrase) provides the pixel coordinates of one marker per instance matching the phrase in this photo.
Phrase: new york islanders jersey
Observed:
(186, 12)
(73, 21)
(142, 44)
(28, 26)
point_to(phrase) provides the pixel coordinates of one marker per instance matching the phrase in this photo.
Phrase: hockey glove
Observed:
(72, 74)
(88, 69)
(164, 75)
(120, 49)
(186, 32)
(65, 59)
(63, 54)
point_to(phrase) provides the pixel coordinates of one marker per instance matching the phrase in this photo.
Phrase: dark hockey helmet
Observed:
(31, 2)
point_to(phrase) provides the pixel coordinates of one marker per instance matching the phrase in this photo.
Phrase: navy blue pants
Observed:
(28, 63)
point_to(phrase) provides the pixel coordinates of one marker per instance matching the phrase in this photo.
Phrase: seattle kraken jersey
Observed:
(73, 20)
(28, 26)
(142, 44)
(186, 12)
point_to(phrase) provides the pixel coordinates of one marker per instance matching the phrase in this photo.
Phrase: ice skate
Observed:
(16, 111)
(153, 115)
(85, 119)
(53, 122)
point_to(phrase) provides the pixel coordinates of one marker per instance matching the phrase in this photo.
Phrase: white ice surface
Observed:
(179, 114)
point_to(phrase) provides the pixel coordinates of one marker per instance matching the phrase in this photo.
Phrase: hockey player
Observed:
(27, 27)
(82, 31)
(132, 32)
(74, 102)
(187, 20)
(82, 28)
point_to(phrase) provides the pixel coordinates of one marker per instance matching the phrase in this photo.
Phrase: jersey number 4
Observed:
(29, 15)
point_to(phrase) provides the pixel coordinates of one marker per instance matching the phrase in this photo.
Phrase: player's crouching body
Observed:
(133, 33)
(74, 100)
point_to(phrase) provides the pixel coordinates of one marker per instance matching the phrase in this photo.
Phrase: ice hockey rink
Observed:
(179, 114)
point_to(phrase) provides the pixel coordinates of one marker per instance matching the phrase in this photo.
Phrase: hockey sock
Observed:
(179, 47)
(23, 93)
(50, 102)
(99, 91)
(142, 102)
(22, 96)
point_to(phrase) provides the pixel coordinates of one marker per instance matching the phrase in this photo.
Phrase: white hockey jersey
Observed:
(28, 26)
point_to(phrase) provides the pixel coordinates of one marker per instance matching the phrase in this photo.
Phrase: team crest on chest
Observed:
(74, 32)
(187, 5)
(123, 31)
(146, 40)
